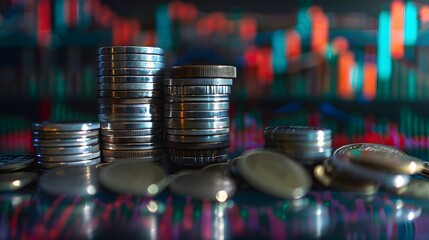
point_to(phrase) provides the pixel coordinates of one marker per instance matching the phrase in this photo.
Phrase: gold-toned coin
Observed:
(386, 161)
(274, 173)
(342, 183)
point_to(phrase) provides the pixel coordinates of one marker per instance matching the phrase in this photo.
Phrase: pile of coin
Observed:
(365, 167)
(306, 145)
(197, 114)
(130, 102)
(72, 144)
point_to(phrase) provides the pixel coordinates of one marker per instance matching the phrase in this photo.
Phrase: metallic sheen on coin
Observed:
(16, 180)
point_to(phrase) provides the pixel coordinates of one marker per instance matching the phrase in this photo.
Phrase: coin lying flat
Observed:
(130, 57)
(222, 168)
(16, 180)
(206, 71)
(130, 49)
(197, 90)
(129, 94)
(390, 162)
(209, 106)
(71, 126)
(130, 79)
(197, 81)
(203, 185)
(197, 98)
(130, 71)
(130, 125)
(51, 165)
(196, 161)
(301, 133)
(55, 151)
(70, 180)
(15, 162)
(130, 64)
(197, 132)
(274, 173)
(71, 142)
(65, 135)
(134, 176)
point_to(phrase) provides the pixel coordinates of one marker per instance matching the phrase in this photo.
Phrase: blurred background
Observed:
(358, 67)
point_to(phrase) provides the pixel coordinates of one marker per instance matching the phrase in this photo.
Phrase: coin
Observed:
(113, 117)
(196, 114)
(416, 188)
(16, 180)
(196, 90)
(197, 161)
(274, 173)
(57, 164)
(205, 185)
(70, 180)
(129, 109)
(197, 81)
(222, 168)
(130, 64)
(132, 154)
(197, 139)
(343, 163)
(197, 98)
(130, 125)
(197, 132)
(122, 101)
(343, 183)
(143, 159)
(130, 57)
(67, 158)
(199, 146)
(133, 139)
(210, 106)
(129, 86)
(70, 142)
(65, 127)
(196, 123)
(140, 178)
(368, 147)
(129, 94)
(134, 132)
(389, 162)
(199, 71)
(130, 79)
(132, 146)
(130, 71)
(130, 49)
(54, 151)
(197, 153)
(280, 133)
(15, 162)
(65, 135)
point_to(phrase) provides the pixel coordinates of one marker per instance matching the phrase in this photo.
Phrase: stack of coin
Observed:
(73, 144)
(306, 145)
(130, 102)
(197, 114)
(364, 167)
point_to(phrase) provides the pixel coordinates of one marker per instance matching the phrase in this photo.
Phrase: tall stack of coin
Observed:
(130, 102)
(197, 114)
(72, 144)
(306, 145)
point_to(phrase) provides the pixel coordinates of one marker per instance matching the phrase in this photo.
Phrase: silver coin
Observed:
(125, 101)
(65, 127)
(15, 162)
(71, 142)
(53, 151)
(222, 168)
(197, 81)
(144, 159)
(203, 185)
(70, 180)
(200, 71)
(130, 64)
(65, 135)
(135, 139)
(196, 123)
(129, 94)
(130, 71)
(129, 86)
(197, 153)
(197, 139)
(67, 158)
(197, 161)
(199, 146)
(16, 180)
(141, 178)
(133, 153)
(130, 133)
(140, 109)
(368, 147)
(210, 106)
(130, 79)
(213, 98)
(132, 146)
(52, 165)
(130, 125)
(130, 57)
(197, 132)
(196, 90)
(296, 133)
(342, 163)
(130, 49)
(129, 117)
(196, 114)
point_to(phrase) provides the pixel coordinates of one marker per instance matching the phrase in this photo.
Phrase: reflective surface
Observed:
(249, 214)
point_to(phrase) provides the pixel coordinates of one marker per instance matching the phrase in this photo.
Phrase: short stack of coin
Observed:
(73, 144)
(130, 102)
(306, 145)
(197, 114)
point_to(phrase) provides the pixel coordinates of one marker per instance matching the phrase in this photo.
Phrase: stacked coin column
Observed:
(130, 102)
(197, 114)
